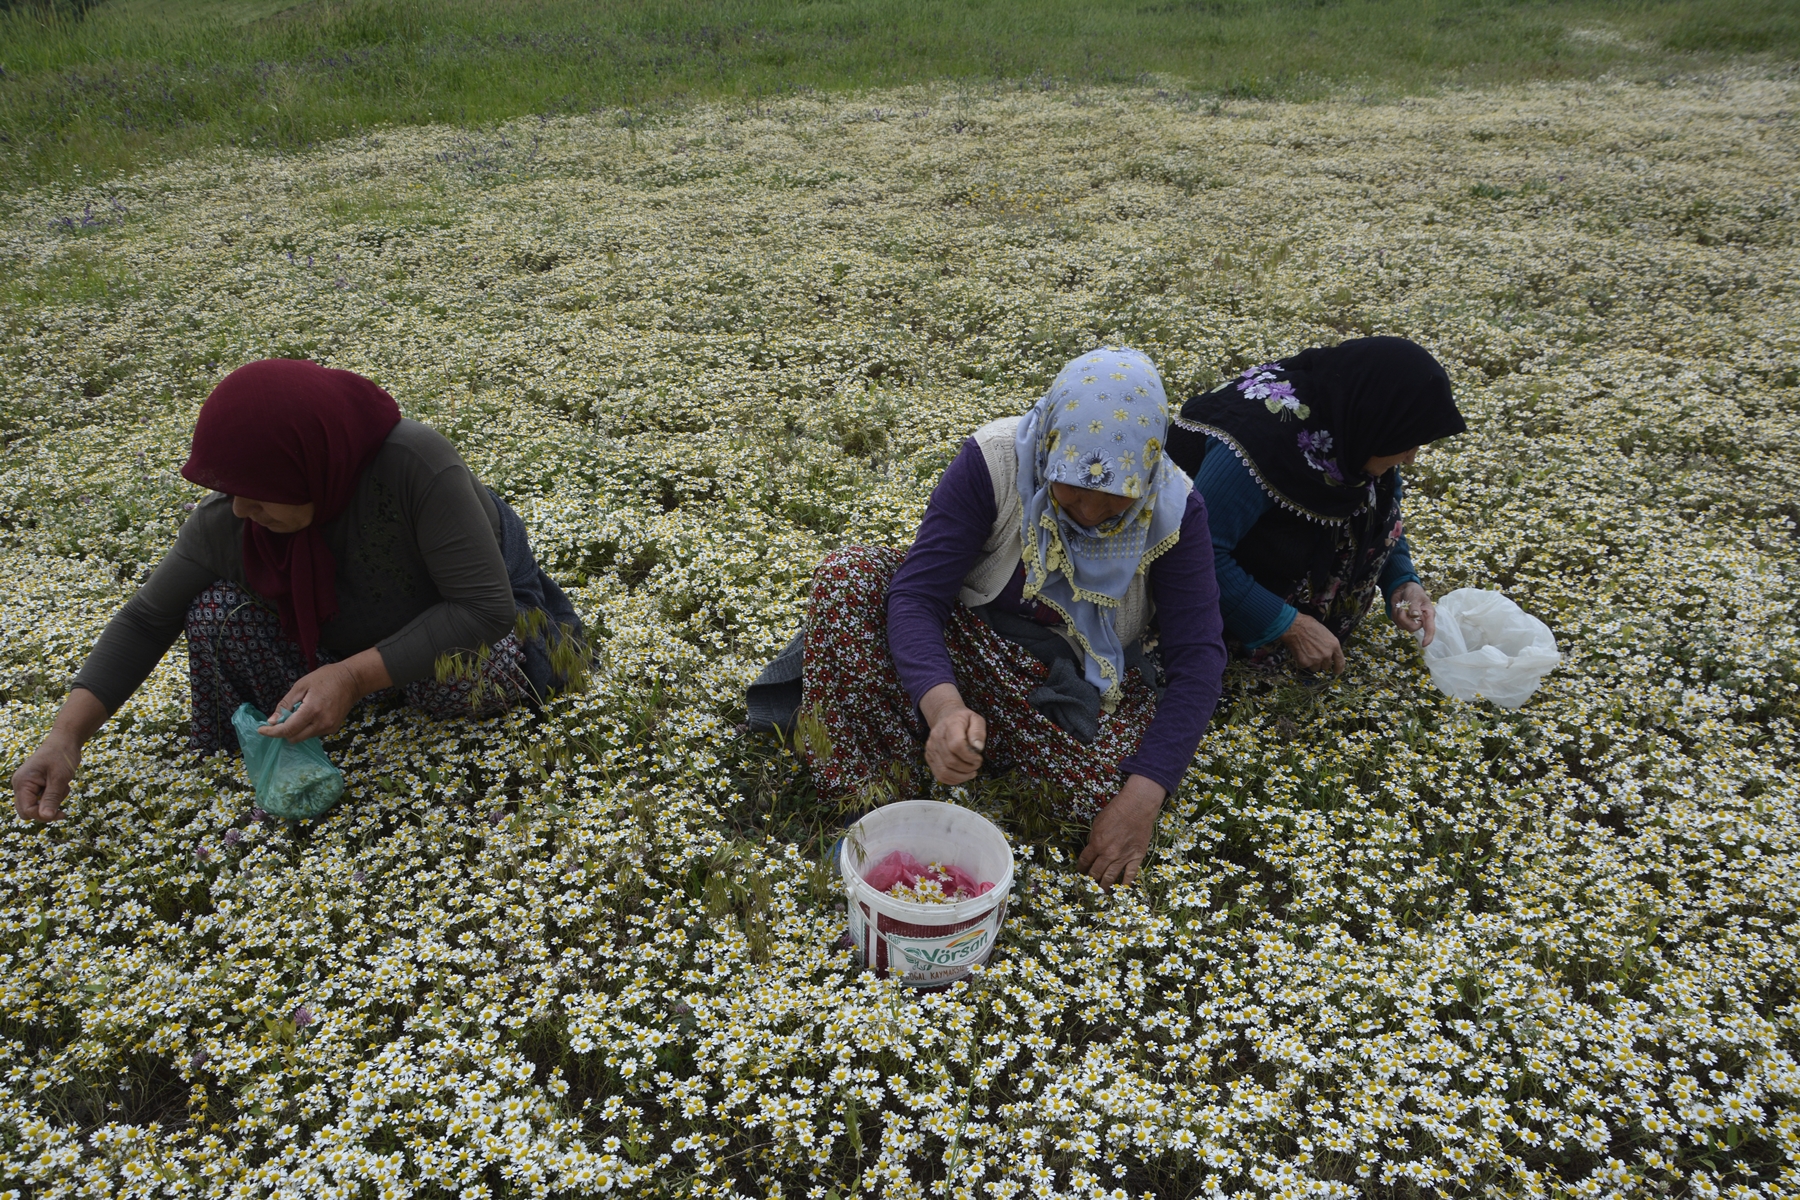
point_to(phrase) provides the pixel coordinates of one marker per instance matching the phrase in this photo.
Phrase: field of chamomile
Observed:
(1388, 944)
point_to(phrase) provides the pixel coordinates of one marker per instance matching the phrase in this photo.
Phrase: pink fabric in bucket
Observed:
(899, 867)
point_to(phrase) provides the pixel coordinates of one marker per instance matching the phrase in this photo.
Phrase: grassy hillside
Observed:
(99, 87)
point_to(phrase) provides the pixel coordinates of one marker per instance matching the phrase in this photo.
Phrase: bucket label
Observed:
(926, 959)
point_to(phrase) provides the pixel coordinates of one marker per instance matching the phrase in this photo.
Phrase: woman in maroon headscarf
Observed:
(345, 551)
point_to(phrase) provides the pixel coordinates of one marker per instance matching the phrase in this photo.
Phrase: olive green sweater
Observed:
(419, 571)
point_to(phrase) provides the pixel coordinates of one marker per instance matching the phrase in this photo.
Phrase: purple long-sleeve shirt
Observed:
(1182, 584)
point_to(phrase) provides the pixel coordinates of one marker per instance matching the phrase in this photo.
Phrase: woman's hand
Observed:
(1121, 833)
(41, 783)
(1312, 646)
(326, 696)
(1414, 612)
(958, 735)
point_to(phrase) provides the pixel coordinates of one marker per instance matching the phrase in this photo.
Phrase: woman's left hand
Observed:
(325, 696)
(1121, 833)
(1413, 611)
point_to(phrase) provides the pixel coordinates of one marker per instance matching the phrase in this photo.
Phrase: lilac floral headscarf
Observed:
(1100, 426)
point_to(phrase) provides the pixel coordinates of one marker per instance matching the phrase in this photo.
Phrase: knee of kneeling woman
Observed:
(852, 563)
(848, 558)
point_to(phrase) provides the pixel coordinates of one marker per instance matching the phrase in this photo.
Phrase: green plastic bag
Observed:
(293, 779)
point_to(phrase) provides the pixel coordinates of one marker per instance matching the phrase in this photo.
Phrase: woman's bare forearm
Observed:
(81, 715)
(942, 699)
(369, 671)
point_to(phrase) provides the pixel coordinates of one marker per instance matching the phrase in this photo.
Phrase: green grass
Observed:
(106, 87)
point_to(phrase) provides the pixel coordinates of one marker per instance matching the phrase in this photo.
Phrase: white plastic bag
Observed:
(1488, 647)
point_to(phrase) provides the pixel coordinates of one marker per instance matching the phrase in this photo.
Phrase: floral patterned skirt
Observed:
(851, 687)
(238, 654)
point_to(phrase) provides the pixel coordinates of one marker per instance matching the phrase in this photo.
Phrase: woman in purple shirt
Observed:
(1061, 580)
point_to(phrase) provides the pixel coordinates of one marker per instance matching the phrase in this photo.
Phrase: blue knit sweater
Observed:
(1234, 502)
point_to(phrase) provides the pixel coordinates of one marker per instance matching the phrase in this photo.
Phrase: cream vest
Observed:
(1004, 548)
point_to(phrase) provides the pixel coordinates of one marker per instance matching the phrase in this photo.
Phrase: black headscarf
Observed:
(1306, 425)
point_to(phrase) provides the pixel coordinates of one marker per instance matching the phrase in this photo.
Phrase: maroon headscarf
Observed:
(289, 432)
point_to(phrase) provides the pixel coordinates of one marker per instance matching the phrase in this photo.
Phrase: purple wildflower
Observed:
(233, 836)
(303, 1016)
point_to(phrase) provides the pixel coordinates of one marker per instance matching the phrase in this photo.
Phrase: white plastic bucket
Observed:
(926, 945)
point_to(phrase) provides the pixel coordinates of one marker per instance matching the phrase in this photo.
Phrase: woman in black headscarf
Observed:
(1298, 461)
